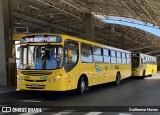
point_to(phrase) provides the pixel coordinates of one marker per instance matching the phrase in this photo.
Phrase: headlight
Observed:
(20, 79)
(49, 81)
(52, 80)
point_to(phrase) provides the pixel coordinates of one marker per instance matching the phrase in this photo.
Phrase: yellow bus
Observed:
(143, 65)
(56, 62)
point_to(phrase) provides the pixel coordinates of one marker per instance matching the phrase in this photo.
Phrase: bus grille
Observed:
(35, 80)
(37, 87)
(34, 73)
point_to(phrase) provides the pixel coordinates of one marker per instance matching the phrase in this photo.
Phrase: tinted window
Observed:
(97, 50)
(113, 57)
(113, 53)
(74, 57)
(128, 55)
(135, 62)
(128, 58)
(124, 60)
(123, 55)
(71, 61)
(106, 52)
(106, 57)
(86, 53)
(119, 59)
(118, 54)
(97, 54)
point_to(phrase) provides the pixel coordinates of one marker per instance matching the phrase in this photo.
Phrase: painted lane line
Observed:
(30, 101)
(32, 113)
(1, 113)
(65, 112)
(93, 113)
(124, 114)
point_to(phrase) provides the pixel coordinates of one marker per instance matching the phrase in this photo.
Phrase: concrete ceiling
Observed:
(67, 16)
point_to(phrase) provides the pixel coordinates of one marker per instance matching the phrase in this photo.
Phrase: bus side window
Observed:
(119, 57)
(144, 60)
(141, 61)
(128, 58)
(124, 60)
(71, 58)
(86, 53)
(106, 56)
(113, 57)
(97, 54)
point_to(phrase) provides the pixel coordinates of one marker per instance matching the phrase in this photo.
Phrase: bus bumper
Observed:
(48, 85)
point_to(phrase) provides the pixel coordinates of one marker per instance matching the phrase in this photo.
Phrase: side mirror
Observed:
(13, 52)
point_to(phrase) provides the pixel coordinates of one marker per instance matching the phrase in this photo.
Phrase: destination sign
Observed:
(41, 39)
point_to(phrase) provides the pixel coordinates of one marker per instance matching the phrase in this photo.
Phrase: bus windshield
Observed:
(135, 62)
(41, 57)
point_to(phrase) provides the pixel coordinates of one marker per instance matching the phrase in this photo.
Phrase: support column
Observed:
(158, 64)
(7, 68)
(89, 27)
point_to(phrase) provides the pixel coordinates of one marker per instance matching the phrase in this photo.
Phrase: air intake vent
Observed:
(35, 73)
(35, 80)
(35, 86)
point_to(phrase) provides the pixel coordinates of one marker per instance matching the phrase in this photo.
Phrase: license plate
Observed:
(34, 85)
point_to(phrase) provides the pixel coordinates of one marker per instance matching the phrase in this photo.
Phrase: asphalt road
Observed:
(99, 100)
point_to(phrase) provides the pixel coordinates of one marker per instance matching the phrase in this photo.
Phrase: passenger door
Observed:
(71, 63)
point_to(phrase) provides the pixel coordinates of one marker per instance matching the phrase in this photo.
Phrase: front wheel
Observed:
(82, 86)
(144, 75)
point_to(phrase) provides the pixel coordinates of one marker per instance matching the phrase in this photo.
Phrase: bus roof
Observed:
(98, 44)
(147, 55)
(141, 54)
(17, 37)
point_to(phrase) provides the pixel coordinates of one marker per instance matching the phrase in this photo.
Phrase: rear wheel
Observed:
(82, 86)
(118, 79)
(152, 73)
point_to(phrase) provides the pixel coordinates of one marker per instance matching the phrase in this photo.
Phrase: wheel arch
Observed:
(85, 77)
(118, 72)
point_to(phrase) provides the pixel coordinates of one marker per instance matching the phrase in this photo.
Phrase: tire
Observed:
(82, 86)
(118, 79)
(142, 77)
(152, 73)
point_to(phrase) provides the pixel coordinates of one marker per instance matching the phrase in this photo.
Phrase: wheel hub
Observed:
(83, 85)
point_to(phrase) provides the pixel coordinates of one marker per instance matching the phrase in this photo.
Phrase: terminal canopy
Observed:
(68, 17)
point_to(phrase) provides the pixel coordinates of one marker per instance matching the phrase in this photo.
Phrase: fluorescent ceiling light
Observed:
(18, 23)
